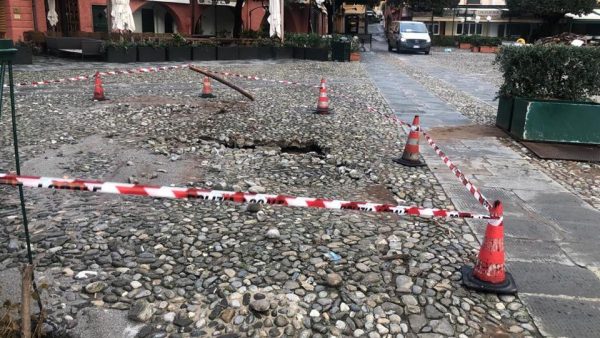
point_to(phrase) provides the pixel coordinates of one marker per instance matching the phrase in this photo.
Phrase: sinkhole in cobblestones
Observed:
(289, 147)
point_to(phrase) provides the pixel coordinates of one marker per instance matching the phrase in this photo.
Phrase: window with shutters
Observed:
(3, 23)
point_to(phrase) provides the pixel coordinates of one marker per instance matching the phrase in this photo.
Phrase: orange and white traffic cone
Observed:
(206, 88)
(410, 156)
(98, 89)
(323, 102)
(489, 273)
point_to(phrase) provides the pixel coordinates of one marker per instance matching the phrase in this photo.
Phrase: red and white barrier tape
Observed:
(217, 195)
(87, 77)
(463, 179)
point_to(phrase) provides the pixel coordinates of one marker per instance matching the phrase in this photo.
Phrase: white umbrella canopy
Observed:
(52, 15)
(275, 18)
(122, 18)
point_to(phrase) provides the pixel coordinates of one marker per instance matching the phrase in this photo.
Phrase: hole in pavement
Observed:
(289, 147)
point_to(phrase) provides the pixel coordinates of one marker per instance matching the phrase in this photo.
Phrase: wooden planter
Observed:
(179, 53)
(317, 54)
(247, 52)
(24, 55)
(151, 54)
(555, 121)
(505, 110)
(227, 53)
(464, 45)
(354, 56)
(488, 49)
(204, 53)
(121, 55)
(283, 52)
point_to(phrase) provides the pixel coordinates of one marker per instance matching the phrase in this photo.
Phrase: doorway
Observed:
(68, 16)
(99, 18)
(147, 20)
(168, 23)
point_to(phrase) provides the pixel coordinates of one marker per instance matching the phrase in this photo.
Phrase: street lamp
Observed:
(489, 26)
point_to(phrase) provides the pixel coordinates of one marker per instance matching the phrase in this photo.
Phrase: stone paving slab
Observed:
(555, 279)
(550, 233)
(559, 317)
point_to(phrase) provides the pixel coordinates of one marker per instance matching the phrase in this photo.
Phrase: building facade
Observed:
(189, 17)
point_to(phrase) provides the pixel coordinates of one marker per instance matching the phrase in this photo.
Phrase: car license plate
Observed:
(416, 46)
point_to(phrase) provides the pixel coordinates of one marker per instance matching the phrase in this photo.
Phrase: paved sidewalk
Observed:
(551, 234)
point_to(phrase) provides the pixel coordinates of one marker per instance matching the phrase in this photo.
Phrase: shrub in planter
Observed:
(283, 52)
(317, 48)
(265, 48)
(204, 51)
(355, 49)
(465, 41)
(544, 77)
(151, 51)
(179, 49)
(443, 41)
(120, 51)
(487, 44)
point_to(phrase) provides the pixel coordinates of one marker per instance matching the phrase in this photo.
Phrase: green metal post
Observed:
(6, 58)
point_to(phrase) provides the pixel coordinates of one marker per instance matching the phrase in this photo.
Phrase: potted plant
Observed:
(489, 44)
(151, 50)
(204, 50)
(464, 42)
(283, 51)
(317, 48)
(179, 49)
(24, 55)
(475, 41)
(546, 93)
(229, 52)
(265, 48)
(121, 51)
(298, 42)
(355, 49)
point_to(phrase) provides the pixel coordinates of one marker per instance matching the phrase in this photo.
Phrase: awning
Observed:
(593, 16)
(230, 3)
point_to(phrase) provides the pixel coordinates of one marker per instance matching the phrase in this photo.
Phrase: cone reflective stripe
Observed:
(489, 273)
(410, 156)
(98, 89)
(206, 88)
(323, 102)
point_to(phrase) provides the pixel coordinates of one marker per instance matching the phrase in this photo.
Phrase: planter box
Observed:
(340, 51)
(556, 121)
(488, 49)
(204, 53)
(121, 55)
(464, 45)
(182, 53)
(227, 53)
(247, 52)
(265, 52)
(299, 52)
(24, 56)
(475, 49)
(283, 52)
(355, 56)
(505, 111)
(317, 54)
(151, 54)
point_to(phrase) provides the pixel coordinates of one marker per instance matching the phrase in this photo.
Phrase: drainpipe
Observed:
(33, 8)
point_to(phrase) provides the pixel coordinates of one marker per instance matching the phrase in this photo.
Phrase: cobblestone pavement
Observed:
(550, 248)
(127, 266)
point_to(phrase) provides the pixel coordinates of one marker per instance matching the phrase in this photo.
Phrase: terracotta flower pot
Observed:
(464, 45)
(355, 56)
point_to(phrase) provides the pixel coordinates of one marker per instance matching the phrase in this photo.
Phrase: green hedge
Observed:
(443, 41)
(479, 40)
(550, 72)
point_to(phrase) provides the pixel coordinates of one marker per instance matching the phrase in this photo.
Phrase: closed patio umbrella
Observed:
(122, 18)
(52, 15)
(275, 19)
